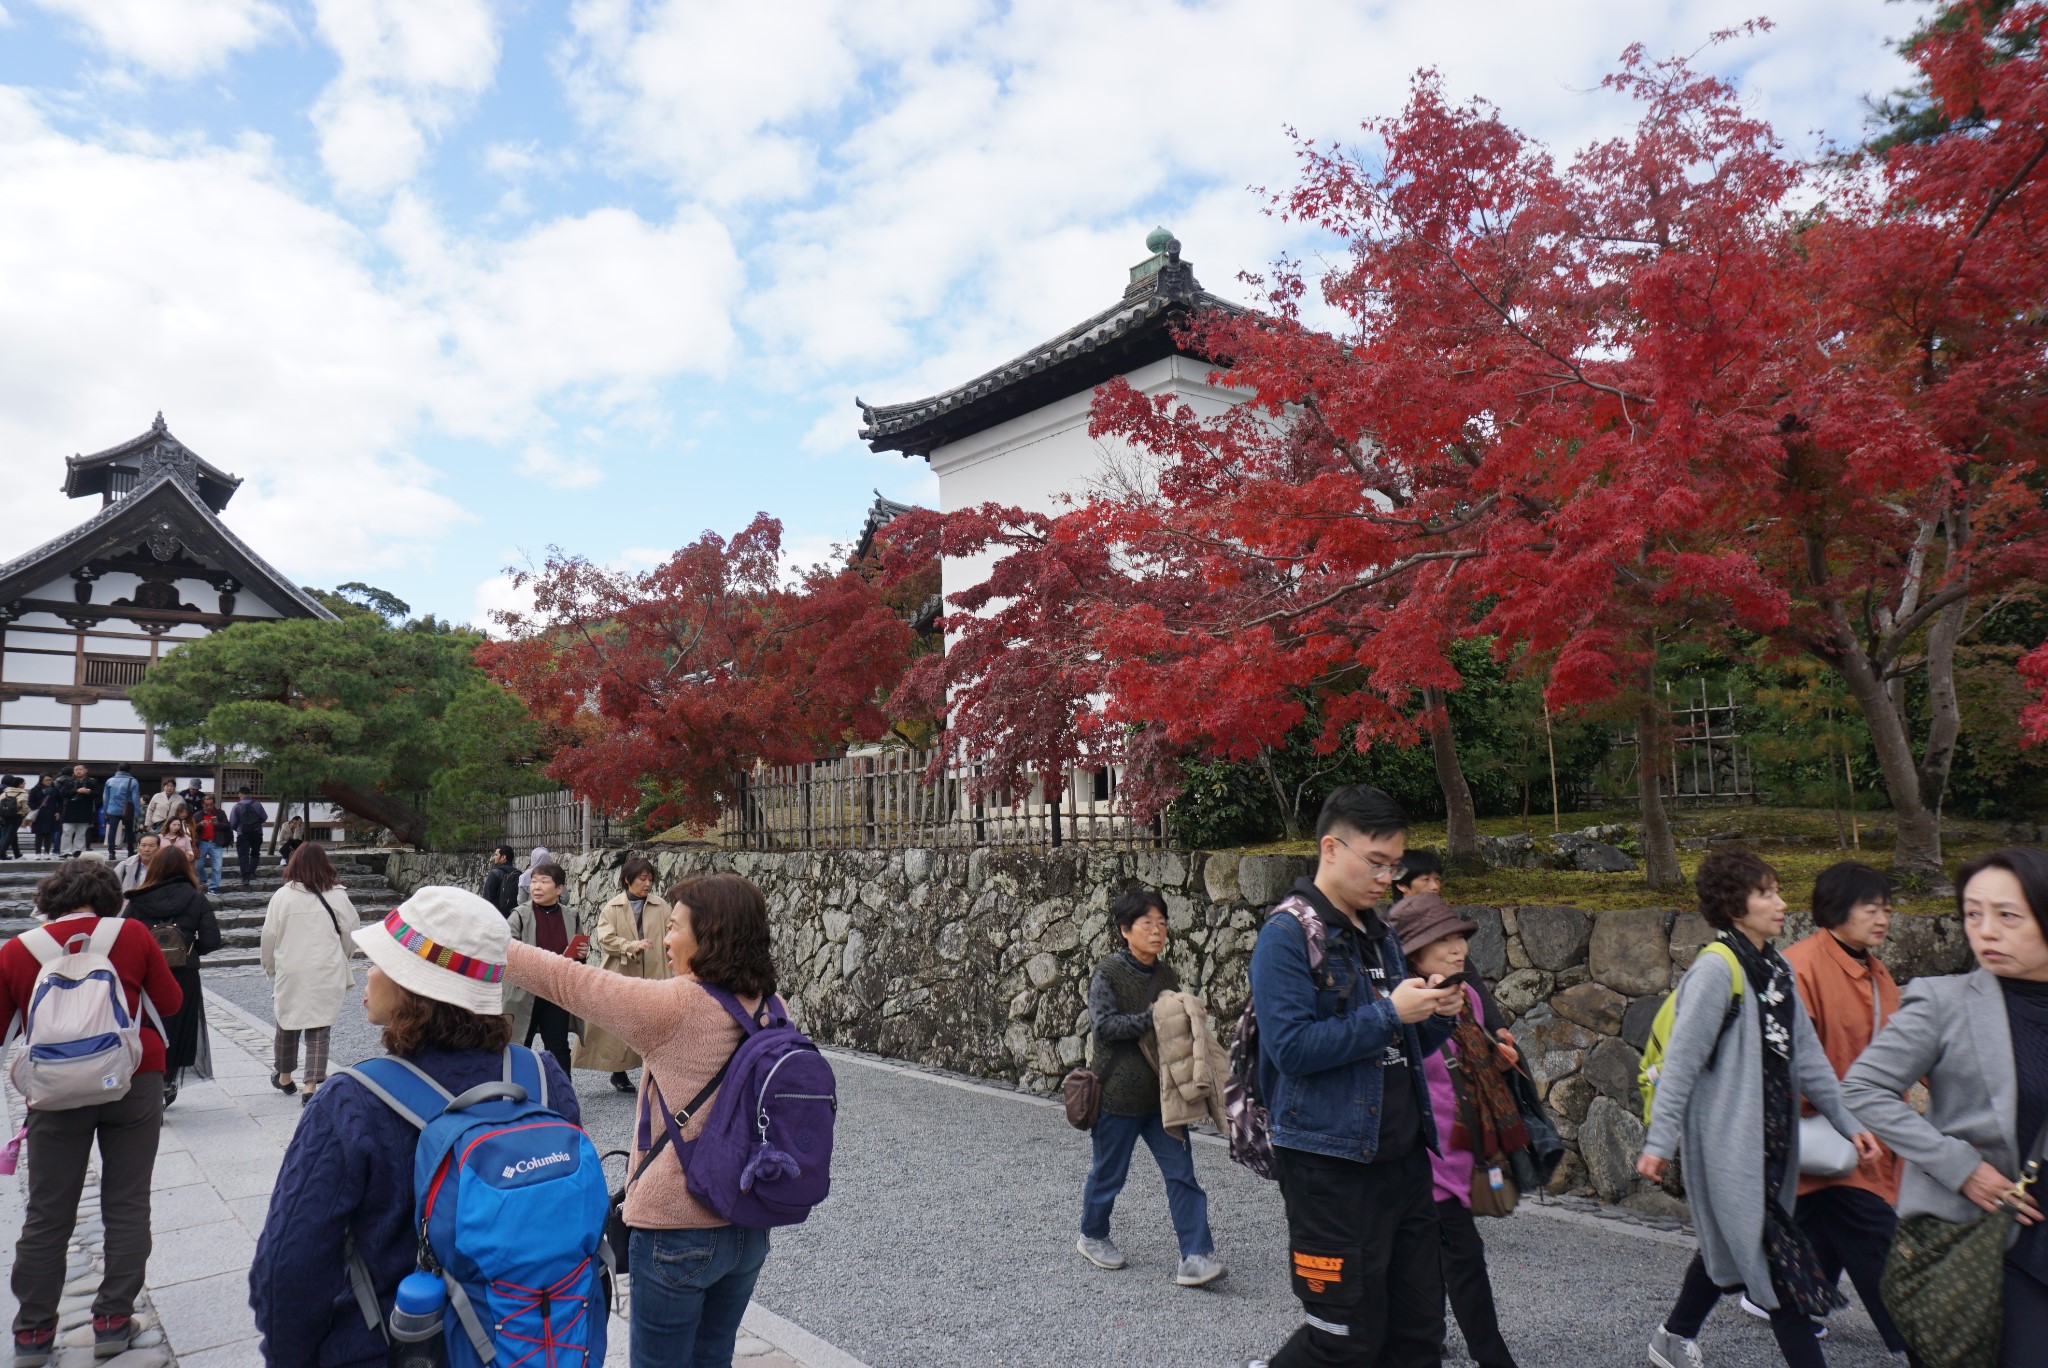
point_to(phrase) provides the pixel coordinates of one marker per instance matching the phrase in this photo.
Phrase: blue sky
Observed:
(452, 281)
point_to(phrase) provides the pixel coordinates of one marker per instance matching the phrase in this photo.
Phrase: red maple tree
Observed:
(670, 683)
(1653, 393)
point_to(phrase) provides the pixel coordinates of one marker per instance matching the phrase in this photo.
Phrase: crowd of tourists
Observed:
(446, 1192)
(75, 813)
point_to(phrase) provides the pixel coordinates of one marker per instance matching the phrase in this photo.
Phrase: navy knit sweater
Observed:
(349, 1167)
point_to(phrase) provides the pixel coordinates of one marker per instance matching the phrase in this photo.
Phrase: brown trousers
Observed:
(59, 1146)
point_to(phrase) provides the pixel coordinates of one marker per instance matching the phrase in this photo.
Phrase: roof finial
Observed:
(1157, 241)
(158, 425)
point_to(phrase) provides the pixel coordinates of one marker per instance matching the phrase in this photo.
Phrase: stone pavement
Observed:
(223, 1143)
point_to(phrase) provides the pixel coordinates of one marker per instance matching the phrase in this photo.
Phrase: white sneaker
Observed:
(1100, 1252)
(1669, 1351)
(1199, 1270)
(1820, 1327)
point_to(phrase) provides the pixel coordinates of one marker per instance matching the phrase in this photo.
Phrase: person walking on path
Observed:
(305, 949)
(78, 805)
(121, 808)
(547, 922)
(1340, 1069)
(162, 804)
(628, 935)
(73, 901)
(177, 914)
(178, 835)
(501, 881)
(700, 1271)
(14, 810)
(43, 815)
(246, 819)
(1468, 1088)
(1849, 995)
(435, 989)
(133, 872)
(1120, 997)
(1728, 1095)
(211, 831)
(1981, 1042)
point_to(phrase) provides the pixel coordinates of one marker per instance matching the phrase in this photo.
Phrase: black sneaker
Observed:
(33, 1348)
(112, 1335)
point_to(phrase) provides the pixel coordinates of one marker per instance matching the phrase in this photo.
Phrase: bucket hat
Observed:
(443, 943)
(1421, 918)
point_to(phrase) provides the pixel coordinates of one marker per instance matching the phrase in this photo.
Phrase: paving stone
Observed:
(180, 1256)
(154, 1357)
(192, 1313)
(243, 1353)
(194, 1204)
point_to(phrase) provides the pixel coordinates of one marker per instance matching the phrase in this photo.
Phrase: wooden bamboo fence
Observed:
(885, 801)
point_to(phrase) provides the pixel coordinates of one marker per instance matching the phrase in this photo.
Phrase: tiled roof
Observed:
(85, 475)
(166, 506)
(1142, 321)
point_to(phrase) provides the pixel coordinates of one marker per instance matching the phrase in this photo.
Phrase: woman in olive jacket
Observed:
(170, 902)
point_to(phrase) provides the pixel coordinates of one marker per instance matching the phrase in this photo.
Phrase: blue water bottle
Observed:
(416, 1322)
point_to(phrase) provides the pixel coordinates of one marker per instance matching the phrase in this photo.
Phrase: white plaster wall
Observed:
(98, 643)
(103, 746)
(1032, 460)
(110, 712)
(35, 711)
(19, 667)
(34, 745)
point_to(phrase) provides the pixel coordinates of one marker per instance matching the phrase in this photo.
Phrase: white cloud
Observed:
(407, 69)
(498, 594)
(175, 38)
(563, 472)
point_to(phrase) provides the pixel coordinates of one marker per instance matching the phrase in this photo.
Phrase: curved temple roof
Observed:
(155, 448)
(1132, 332)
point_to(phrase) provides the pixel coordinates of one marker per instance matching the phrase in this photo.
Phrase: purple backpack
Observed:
(764, 1157)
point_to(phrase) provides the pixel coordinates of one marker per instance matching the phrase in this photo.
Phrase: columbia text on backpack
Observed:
(510, 1201)
(81, 1043)
(764, 1157)
(1660, 1028)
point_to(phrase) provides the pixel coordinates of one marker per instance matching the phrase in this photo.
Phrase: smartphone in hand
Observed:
(1462, 977)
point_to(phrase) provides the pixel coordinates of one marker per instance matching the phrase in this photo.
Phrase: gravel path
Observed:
(948, 1242)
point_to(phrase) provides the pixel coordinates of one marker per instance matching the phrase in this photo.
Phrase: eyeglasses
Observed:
(1382, 869)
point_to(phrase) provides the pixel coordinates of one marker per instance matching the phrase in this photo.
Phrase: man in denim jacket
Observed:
(1340, 1067)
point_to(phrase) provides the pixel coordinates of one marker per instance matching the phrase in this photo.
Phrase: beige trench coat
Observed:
(306, 958)
(610, 939)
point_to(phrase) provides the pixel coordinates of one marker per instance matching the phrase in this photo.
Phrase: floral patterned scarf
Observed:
(1491, 1121)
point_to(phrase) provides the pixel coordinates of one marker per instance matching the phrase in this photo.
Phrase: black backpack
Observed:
(10, 810)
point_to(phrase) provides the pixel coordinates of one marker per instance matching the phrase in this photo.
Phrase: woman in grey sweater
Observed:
(1728, 1097)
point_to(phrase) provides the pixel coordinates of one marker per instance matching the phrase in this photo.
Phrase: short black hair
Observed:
(79, 885)
(1842, 887)
(633, 868)
(243, 789)
(508, 852)
(552, 870)
(1135, 903)
(1415, 864)
(1364, 809)
(2028, 865)
(1725, 880)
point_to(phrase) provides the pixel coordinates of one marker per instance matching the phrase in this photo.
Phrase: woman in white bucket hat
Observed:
(436, 986)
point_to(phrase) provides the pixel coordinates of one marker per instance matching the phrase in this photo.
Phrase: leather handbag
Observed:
(1823, 1153)
(1082, 1093)
(1944, 1281)
(1494, 1192)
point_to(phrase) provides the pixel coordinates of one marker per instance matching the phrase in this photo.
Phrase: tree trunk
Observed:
(1660, 848)
(1461, 819)
(406, 822)
(1290, 821)
(1916, 853)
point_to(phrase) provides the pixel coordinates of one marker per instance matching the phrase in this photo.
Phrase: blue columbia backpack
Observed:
(510, 1202)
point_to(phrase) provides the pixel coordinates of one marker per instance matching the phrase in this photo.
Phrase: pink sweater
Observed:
(681, 1032)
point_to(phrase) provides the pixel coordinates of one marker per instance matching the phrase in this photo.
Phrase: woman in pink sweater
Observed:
(692, 1273)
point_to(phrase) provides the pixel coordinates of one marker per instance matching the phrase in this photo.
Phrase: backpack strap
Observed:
(1727, 952)
(403, 1086)
(45, 947)
(771, 1012)
(523, 1069)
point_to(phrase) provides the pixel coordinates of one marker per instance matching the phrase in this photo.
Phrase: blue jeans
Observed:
(211, 861)
(690, 1289)
(1115, 1137)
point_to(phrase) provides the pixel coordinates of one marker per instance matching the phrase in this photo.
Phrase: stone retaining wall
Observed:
(978, 961)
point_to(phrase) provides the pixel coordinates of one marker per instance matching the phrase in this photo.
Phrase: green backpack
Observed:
(1660, 1026)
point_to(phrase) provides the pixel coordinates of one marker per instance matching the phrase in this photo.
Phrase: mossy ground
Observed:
(1798, 842)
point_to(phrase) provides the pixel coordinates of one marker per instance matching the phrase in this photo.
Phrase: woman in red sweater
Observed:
(72, 902)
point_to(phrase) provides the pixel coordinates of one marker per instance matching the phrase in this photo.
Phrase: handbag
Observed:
(1823, 1153)
(1944, 1281)
(1494, 1192)
(171, 941)
(1082, 1093)
(1535, 1166)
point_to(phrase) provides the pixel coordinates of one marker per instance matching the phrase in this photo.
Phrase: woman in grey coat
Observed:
(1728, 1098)
(1981, 1042)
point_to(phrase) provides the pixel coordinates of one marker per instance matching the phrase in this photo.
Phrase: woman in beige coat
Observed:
(306, 946)
(626, 940)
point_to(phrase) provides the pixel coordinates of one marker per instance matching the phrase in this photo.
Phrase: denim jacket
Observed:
(1320, 1042)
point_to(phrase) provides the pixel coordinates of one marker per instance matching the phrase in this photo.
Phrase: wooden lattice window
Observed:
(233, 777)
(115, 671)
